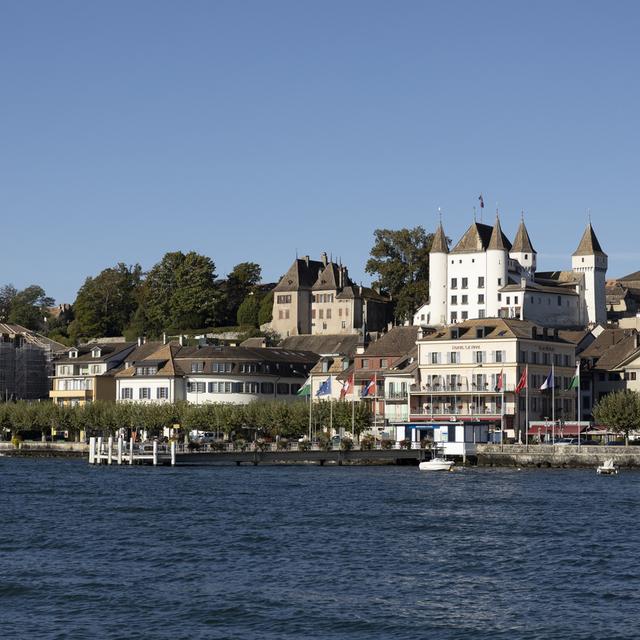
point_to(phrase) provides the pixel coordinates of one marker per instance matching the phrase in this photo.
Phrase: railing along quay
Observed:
(118, 451)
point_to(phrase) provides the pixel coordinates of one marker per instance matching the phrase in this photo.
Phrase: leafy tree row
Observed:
(182, 292)
(273, 418)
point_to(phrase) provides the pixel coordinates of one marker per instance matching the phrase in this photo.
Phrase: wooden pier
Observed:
(118, 451)
(104, 452)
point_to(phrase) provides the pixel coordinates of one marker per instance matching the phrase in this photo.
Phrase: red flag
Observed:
(369, 390)
(347, 387)
(522, 383)
(499, 381)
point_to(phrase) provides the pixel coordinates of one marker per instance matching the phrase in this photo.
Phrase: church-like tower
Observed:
(523, 252)
(590, 260)
(438, 257)
(497, 264)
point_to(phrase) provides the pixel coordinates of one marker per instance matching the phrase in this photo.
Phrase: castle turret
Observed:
(590, 260)
(438, 277)
(497, 264)
(522, 250)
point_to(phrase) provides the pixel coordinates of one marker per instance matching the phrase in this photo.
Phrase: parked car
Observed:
(567, 441)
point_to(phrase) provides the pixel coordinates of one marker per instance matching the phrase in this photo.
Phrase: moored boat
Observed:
(436, 464)
(607, 468)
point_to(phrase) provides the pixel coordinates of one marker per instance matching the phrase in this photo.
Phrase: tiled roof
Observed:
(328, 278)
(302, 274)
(151, 352)
(397, 342)
(498, 240)
(589, 244)
(326, 344)
(476, 238)
(494, 328)
(522, 241)
(615, 354)
(604, 342)
(107, 350)
(439, 244)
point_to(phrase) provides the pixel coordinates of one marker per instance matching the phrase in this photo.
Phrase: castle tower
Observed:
(590, 260)
(497, 266)
(438, 257)
(522, 250)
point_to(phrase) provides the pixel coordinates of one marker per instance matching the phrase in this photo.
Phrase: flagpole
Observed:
(526, 407)
(553, 403)
(375, 395)
(353, 406)
(310, 404)
(579, 398)
(330, 416)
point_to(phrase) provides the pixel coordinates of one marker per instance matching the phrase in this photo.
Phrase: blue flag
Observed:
(325, 388)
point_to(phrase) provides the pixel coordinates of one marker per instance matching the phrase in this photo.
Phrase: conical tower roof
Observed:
(476, 238)
(439, 244)
(522, 241)
(589, 244)
(498, 240)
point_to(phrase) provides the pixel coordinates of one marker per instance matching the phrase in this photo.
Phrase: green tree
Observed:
(29, 307)
(400, 260)
(248, 311)
(234, 290)
(265, 314)
(106, 304)
(180, 293)
(7, 296)
(619, 411)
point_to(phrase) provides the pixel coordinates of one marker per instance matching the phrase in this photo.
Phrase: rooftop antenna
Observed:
(589, 215)
(440, 215)
(522, 215)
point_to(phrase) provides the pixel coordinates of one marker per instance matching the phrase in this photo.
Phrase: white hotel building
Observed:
(459, 367)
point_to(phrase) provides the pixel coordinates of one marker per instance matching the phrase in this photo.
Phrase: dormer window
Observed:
(73, 353)
(96, 352)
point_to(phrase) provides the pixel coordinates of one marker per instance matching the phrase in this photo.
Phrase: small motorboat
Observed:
(436, 464)
(607, 468)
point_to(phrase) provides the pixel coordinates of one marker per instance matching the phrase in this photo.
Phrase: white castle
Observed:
(485, 276)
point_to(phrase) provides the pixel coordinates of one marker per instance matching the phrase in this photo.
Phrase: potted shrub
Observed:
(386, 444)
(304, 445)
(367, 442)
(346, 444)
(282, 444)
(406, 443)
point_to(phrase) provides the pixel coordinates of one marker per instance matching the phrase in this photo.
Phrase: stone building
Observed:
(318, 298)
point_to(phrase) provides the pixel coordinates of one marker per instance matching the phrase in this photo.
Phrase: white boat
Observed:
(436, 464)
(607, 468)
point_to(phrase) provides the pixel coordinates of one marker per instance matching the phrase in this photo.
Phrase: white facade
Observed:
(469, 373)
(478, 277)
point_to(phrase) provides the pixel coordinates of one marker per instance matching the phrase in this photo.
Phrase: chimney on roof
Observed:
(323, 258)
(181, 340)
(523, 282)
(139, 341)
(164, 338)
(306, 259)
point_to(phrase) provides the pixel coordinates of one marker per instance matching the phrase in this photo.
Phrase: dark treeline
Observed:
(267, 419)
(182, 292)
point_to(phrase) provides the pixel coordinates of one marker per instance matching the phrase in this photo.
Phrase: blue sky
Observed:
(249, 130)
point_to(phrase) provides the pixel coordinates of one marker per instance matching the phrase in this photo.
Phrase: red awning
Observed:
(559, 430)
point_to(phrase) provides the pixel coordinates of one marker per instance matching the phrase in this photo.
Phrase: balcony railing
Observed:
(396, 395)
(426, 389)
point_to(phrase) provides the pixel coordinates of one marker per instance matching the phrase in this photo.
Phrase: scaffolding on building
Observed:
(26, 363)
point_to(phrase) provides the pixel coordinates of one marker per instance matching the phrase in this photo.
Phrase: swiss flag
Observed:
(347, 387)
(522, 383)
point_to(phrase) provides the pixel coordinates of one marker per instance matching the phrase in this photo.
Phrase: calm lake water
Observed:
(310, 552)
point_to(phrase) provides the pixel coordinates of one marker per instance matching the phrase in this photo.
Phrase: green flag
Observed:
(575, 381)
(305, 390)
